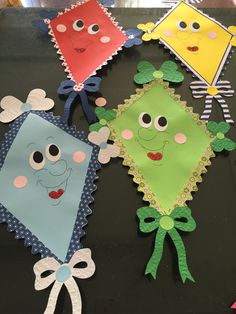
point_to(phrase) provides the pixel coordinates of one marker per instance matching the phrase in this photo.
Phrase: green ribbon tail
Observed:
(183, 267)
(155, 259)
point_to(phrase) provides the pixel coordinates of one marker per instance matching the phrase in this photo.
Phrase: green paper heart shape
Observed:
(221, 142)
(171, 73)
(104, 116)
(148, 73)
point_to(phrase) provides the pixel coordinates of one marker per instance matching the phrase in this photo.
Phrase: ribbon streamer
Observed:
(220, 90)
(69, 87)
(167, 225)
(63, 274)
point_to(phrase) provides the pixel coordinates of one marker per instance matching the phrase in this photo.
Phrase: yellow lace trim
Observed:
(143, 186)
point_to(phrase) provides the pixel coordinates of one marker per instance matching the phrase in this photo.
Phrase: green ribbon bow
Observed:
(148, 73)
(167, 225)
(103, 116)
(221, 142)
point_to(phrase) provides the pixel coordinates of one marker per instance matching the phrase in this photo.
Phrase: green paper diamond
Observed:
(167, 159)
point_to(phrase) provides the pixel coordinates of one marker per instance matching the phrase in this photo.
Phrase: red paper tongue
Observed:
(79, 50)
(156, 156)
(195, 48)
(56, 194)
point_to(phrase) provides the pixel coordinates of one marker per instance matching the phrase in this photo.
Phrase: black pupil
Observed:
(162, 121)
(38, 157)
(53, 150)
(196, 25)
(80, 23)
(146, 118)
(95, 27)
(182, 24)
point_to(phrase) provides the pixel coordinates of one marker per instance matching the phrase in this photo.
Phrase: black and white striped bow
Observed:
(172, 2)
(222, 88)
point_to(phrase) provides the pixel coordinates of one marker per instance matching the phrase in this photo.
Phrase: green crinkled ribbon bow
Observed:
(167, 225)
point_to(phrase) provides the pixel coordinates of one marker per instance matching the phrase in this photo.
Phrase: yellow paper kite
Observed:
(199, 41)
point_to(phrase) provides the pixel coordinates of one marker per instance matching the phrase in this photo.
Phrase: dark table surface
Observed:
(27, 61)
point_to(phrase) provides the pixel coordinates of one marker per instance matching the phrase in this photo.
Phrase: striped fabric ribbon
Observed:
(171, 2)
(220, 89)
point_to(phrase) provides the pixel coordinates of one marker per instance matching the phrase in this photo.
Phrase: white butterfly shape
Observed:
(107, 151)
(13, 107)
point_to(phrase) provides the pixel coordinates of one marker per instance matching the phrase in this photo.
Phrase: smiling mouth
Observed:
(193, 48)
(155, 155)
(56, 192)
(80, 50)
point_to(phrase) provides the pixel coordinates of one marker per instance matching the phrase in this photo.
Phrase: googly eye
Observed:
(78, 25)
(145, 120)
(93, 29)
(195, 27)
(182, 26)
(36, 160)
(52, 152)
(161, 123)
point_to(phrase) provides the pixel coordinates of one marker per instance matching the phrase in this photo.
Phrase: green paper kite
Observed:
(167, 149)
(148, 73)
(221, 142)
(103, 116)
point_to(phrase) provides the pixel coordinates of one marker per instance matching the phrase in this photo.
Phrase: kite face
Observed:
(87, 37)
(43, 178)
(166, 146)
(200, 42)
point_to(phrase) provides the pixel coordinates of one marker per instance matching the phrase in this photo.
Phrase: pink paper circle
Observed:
(180, 138)
(212, 35)
(79, 157)
(168, 33)
(61, 28)
(105, 39)
(20, 182)
(127, 134)
(100, 102)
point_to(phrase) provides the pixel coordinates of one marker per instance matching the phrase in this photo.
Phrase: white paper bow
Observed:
(63, 274)
(13, 107)
(107, 151)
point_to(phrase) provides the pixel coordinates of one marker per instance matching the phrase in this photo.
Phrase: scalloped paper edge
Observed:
(228, 52)
(191, 185)
(64, 63)
(21, 231)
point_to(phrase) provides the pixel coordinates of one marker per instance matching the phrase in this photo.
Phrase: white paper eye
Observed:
(36, 160)
(93, 29)
(78, 25)
(182, 26)
(145, 120)
(53, 152)
(195, 27)
(161, 123)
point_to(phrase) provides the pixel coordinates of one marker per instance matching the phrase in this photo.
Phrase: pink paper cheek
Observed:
(168, 33)
(79, 157)
(212, 35)
(105, 39)
(180, 138)
(127, 134)
(20, 182)
(61, 28)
